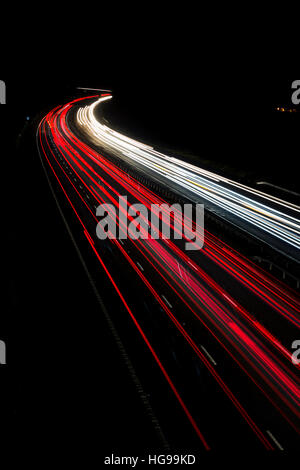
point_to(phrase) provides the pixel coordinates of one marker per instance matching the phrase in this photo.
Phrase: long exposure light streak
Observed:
(238, 331)
(253, 206)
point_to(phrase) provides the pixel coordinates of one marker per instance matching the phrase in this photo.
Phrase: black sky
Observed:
(225, 119)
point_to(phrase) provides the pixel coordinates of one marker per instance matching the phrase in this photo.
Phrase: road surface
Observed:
(218, 328)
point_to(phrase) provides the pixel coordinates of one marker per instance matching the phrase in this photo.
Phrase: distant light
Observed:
(286, 110)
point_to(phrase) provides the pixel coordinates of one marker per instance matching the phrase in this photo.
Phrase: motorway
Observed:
(218, 328)
(264, 216)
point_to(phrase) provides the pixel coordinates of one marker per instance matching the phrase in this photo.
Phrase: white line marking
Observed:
(208, 355)
(275, 440)
(167, 302)
(140, 266)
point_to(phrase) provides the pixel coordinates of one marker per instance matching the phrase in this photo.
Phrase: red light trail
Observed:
(239, 333)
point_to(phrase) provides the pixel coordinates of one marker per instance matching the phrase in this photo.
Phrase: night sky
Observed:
(228, 120)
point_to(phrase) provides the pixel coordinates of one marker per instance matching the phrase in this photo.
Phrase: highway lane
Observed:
(265, 217)
(246, 272)
(228, 326)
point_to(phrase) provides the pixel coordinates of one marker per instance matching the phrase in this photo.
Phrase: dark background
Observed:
(228, 121)
(54, 384)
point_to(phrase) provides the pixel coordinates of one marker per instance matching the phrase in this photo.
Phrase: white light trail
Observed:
(272, 215)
